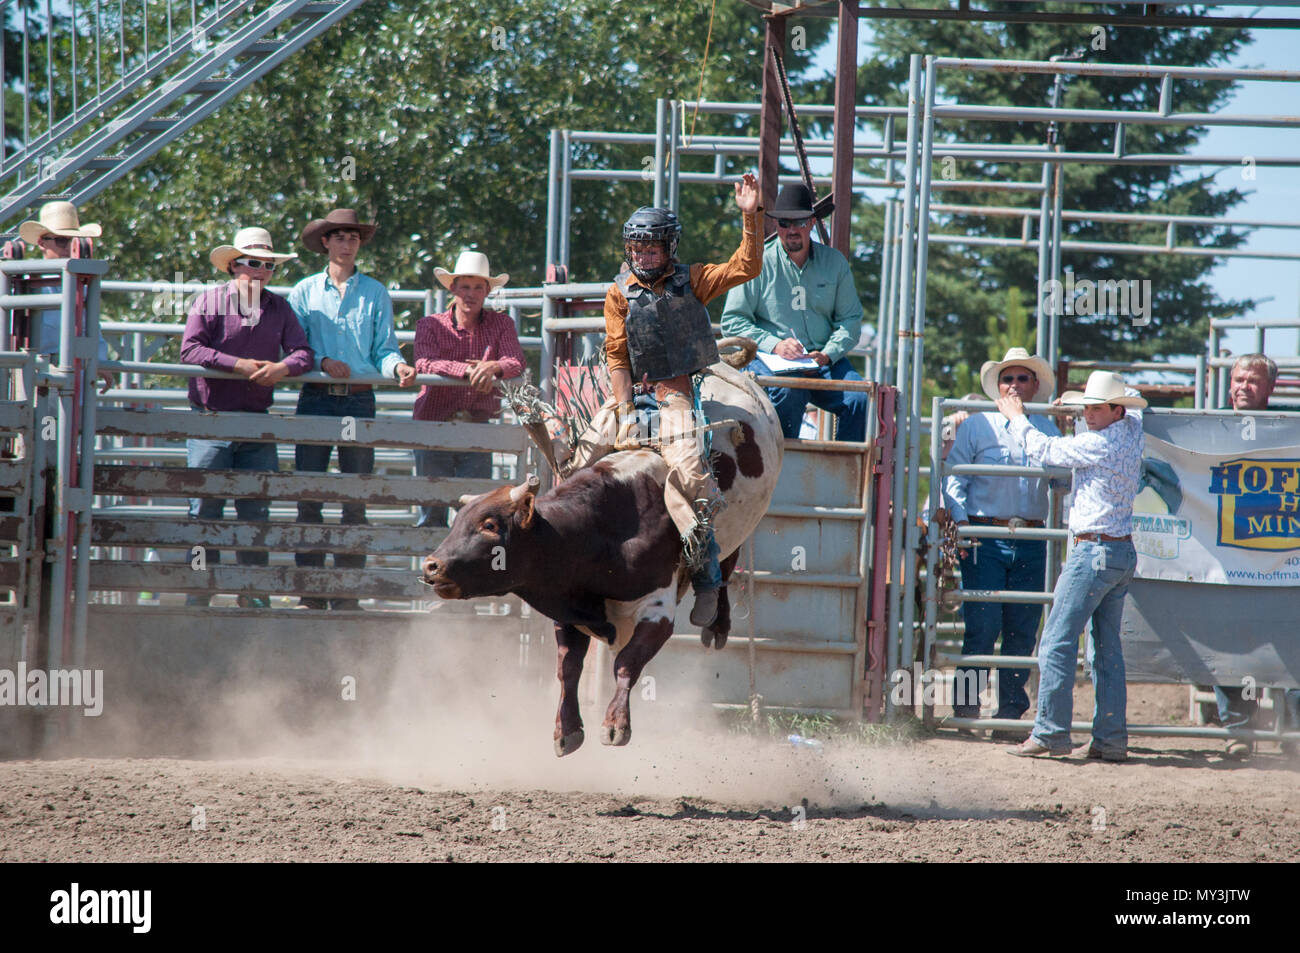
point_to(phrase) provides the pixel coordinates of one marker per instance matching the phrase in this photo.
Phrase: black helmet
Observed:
(652, 225)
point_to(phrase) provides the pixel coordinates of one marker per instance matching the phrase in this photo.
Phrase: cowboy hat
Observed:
(471, 264)
(253, 242)
(57, 218)
(1104, 387)
(796, 201)
(339, 218)
(992, 370)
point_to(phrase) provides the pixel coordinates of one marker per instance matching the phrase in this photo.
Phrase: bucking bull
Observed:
(598, 553)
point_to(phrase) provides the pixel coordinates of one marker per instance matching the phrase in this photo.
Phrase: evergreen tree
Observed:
(966, 284)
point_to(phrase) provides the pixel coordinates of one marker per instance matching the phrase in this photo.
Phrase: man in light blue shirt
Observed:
(348, 318)
(802, 306)
(1000, 564)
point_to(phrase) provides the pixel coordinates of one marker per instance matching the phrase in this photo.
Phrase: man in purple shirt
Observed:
(242, 328)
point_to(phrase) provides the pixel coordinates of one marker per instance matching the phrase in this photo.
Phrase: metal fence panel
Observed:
(179, 482)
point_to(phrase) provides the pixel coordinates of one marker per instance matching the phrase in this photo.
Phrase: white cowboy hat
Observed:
(57, 218)
(253, 242)
(471, 264)
(1104, 387)
(992, 370)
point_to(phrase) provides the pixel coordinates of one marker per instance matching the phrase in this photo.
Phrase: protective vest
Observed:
(668, 334)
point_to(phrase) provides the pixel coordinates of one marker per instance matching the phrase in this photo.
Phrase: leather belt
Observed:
(343, 390)
(1093, 537)
(1014, 522)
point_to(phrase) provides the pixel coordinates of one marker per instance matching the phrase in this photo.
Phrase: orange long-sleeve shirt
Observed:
(707, 282)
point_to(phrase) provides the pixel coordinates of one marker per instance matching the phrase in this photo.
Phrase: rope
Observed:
(705, 62)
(797, 136)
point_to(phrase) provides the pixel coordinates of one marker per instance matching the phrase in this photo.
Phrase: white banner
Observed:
(1231, 518)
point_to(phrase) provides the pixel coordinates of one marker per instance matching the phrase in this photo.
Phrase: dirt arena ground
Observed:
(485, 788)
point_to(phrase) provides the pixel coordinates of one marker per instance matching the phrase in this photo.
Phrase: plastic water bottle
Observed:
(799, 741)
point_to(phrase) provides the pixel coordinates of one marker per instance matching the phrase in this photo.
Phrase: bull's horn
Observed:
(527, 488)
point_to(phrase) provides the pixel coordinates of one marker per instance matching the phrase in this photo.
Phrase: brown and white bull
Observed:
(599, 555)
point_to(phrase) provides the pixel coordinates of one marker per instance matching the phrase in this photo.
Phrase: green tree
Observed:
(966, 284)
(433, 118)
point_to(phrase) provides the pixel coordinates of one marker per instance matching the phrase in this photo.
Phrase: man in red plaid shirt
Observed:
(478, 346)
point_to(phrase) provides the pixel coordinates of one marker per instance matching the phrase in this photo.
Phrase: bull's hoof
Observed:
(569, 743)
(610, 735)
(706, 636)
(710, 636)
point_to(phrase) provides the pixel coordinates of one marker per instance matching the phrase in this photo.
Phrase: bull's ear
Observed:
(523, 497)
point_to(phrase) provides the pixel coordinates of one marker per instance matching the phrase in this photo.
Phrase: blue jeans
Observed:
(232, 455)
(448, 463)
(1092, 586)
(1001, 564)
(849, 408)
(314, 401)
(1238, 712)
(1234, 711)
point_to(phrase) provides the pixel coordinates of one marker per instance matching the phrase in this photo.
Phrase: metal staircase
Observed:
(110, 95)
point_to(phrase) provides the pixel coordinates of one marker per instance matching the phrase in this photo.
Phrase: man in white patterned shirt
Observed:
(1107, 462)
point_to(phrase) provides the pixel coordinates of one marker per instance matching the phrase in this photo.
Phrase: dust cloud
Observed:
(449, 705)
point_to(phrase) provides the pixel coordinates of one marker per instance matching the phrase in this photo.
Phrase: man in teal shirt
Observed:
(802, 307)
(348, 318)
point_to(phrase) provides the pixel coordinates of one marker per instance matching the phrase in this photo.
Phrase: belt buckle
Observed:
(1017, 523)
(337, 390)
(462, 416)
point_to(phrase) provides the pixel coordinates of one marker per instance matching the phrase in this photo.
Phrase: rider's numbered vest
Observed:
(668, 334)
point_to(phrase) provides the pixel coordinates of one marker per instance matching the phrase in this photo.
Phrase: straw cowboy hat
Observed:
(253, 242)
(317, 229)
(57, 218)
(1104, 387)
(471, 264)
(1018, 356)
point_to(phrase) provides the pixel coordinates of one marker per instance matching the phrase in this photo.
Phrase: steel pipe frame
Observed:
(898, 643)
(1075, 215)
(1117, 248)
(918, 362)
(1056, 164)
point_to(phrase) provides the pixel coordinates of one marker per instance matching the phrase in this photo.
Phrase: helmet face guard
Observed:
(652, 225)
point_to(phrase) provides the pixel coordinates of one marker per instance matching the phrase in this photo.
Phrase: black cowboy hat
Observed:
(796, 201)
(339, 218)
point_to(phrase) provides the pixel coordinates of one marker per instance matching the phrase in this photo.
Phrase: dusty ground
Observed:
(479, 790)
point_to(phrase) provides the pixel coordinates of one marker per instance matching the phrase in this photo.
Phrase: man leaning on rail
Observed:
(1000, 564)
(1250, 385)
(1106, 458)
(471, 342)
(56, 226)
(348, 317)
(244, 328)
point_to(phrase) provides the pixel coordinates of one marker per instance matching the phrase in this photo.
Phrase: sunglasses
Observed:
(57, 239)
(792, 222)
(255, 264)
(1014, 378)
